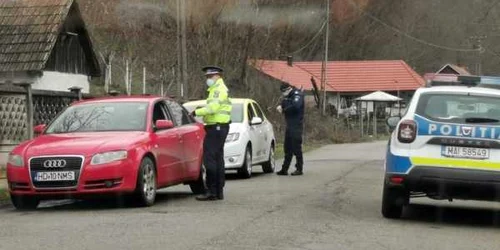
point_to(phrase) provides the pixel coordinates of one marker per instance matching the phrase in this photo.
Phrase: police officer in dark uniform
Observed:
(217, 117)
(292, 106)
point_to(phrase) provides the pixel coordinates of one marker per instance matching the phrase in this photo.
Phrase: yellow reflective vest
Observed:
(218, 108)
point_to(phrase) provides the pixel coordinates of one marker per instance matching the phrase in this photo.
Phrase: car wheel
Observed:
(24, 202)
(393, 201)
(198, 186)
(270, 165)
(246, 169)
(146, 183)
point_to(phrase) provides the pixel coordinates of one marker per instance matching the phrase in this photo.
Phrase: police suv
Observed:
(446, 145)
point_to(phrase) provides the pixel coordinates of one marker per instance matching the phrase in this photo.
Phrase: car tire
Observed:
(145, 193)
(198, 186)
(24, 202)
(393, 201)
(246, 169)
(270, 165)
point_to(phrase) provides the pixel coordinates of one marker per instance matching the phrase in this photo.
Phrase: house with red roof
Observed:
(447, 72)
(345, 80)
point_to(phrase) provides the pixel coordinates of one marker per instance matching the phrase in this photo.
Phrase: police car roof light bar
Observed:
(469, 81)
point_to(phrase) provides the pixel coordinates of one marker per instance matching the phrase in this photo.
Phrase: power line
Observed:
(312, 40)
(408, 35)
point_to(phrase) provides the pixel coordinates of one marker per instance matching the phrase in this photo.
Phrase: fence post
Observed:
(29, 109)
(144, 80)
(77, 91)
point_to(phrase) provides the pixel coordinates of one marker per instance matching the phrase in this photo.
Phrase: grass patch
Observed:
(4, 194)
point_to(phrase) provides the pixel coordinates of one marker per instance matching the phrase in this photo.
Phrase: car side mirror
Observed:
(393, 121)
(256, 121)
(39, 129)
(163, 124)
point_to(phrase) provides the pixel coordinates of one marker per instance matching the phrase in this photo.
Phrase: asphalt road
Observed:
(335, 205)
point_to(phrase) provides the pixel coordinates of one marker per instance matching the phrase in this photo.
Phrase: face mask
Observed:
(210, 82)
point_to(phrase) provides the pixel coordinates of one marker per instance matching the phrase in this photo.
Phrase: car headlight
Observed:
(108, 157)
(232, 137)
(16, 160)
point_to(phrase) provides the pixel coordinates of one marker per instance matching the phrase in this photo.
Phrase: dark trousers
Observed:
(293, 146)
(213, 158)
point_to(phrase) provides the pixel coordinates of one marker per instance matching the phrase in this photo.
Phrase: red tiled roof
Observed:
(345, 76)
(290, 74)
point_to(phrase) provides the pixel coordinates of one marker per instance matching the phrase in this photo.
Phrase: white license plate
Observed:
(465, 152)
(55, 176)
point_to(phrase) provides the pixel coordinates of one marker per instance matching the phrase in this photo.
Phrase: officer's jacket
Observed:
(293, 108)
(218, 109)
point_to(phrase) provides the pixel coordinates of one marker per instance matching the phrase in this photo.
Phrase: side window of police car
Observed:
(180, 115)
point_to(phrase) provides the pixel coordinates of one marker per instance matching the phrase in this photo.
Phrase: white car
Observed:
(446, 145)
(250, 140)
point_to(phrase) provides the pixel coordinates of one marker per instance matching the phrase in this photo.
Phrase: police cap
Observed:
(212, 70)
(284, 87)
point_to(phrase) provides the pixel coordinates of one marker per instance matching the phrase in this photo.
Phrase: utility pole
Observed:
(325, 62)
(477, 44)
(184, 50)
(144, 80)
(127, 85)
(179, 51)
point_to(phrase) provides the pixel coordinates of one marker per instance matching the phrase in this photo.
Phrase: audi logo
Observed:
(54, 163)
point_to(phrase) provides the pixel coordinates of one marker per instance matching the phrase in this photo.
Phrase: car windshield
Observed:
(459, 108)
(95, 117)
(236, 112)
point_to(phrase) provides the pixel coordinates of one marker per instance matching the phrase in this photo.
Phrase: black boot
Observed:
(206, 197)
(282, 172)
(297, 172)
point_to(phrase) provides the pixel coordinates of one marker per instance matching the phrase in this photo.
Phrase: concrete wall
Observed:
(4, 153)
(56, 81)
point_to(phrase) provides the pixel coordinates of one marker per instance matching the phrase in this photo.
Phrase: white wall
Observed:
(56, 81)
(4, 154)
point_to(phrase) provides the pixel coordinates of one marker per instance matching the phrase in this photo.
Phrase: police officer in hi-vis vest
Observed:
(217, 117)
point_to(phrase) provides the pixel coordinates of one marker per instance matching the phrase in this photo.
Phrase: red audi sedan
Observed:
(128, 146)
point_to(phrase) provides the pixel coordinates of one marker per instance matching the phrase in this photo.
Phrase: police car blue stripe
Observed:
(397, 164)
(427, 127)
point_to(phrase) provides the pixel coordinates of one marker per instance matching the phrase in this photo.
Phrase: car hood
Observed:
(82, 143)
(236, 127)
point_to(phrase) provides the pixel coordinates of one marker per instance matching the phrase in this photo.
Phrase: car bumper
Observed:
(451, 182)
(234, 155)
(106, 179)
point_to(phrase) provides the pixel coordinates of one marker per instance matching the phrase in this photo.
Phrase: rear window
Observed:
(459, 108)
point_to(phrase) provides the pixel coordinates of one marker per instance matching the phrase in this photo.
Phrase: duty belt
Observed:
(217, 125)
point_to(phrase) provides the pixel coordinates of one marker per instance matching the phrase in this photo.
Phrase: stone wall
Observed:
(14, 119)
